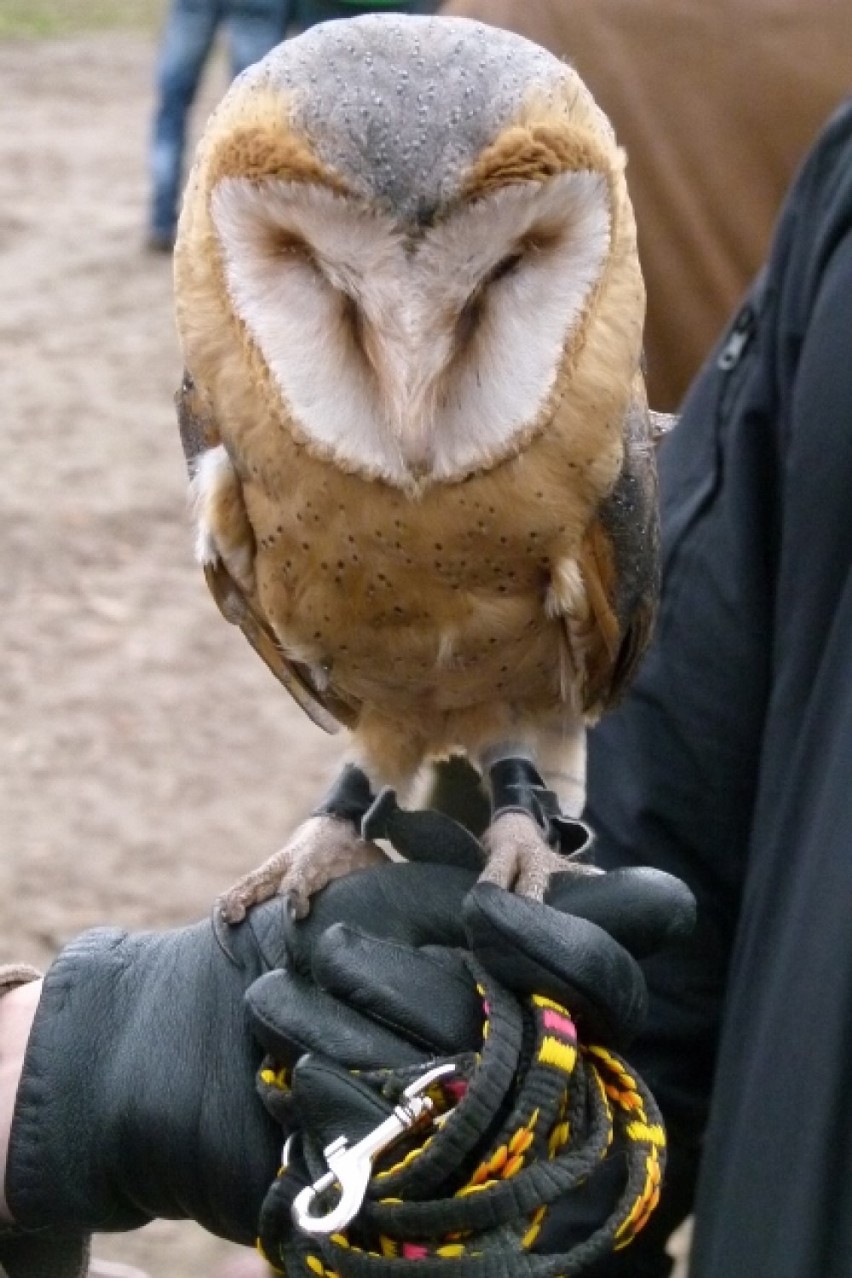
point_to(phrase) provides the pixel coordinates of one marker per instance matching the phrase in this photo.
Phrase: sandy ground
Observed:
(146, 757)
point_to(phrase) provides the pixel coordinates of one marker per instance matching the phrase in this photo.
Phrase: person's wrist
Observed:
(17, 1013)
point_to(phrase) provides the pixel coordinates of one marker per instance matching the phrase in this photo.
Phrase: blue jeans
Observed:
(307, 13)
(253, 27)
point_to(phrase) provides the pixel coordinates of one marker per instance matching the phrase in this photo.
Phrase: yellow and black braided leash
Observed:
(526, 1121)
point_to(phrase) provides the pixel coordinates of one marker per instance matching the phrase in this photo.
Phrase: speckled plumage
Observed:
(435, 591)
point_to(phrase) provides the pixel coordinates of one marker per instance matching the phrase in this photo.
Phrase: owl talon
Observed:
(297, 904)
(323, 848)
(520, 860)
(254, 888)
(229, 908)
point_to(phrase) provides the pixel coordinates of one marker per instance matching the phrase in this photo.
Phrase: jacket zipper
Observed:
(738, 340)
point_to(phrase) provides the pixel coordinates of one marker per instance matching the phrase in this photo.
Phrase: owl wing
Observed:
(199, 436)
(618, 573)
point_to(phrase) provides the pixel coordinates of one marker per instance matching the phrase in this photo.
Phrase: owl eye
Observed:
(359, 333)
(506, 266)
(470, 314)
(288, 244)
(353, 318)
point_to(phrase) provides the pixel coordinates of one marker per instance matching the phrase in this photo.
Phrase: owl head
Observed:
(404, 241)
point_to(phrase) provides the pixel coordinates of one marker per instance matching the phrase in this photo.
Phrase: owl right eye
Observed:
(353, 317)
(470, 314)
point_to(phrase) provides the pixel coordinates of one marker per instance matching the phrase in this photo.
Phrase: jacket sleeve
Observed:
(43, 1255)
(672, 772)
(46, 1254)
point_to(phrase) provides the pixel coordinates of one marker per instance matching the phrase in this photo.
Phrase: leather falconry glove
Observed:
(402, 986)
(137, 1098)
(389, 986)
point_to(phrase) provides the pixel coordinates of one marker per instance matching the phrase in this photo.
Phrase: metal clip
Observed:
(351, 1167)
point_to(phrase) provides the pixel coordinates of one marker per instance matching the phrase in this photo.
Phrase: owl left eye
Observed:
(506, 266)
(290, 244)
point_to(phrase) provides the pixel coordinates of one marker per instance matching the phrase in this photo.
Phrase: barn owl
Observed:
(411, 311)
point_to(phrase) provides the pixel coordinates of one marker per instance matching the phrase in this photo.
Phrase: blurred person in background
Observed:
(253, 27)
(307, 13)
(715, 105)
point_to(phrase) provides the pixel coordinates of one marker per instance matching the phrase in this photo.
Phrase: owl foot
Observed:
(323, 848)
(520, 858)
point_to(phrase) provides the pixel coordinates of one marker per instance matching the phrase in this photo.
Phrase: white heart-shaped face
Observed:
(413, 358)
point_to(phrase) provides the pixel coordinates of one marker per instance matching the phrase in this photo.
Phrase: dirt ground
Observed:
(146, 756)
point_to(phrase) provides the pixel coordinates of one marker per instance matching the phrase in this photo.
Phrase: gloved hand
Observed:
(138, 1093)
(138, 1096)
(392, 988)
(388, 986)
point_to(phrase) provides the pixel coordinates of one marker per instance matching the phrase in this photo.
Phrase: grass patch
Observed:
(39, 18)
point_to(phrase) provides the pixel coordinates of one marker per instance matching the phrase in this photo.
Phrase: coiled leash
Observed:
(456, 1167)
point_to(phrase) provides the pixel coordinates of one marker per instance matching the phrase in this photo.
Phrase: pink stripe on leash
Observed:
(562, 1024)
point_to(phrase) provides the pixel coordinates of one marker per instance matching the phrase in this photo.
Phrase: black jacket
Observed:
(730, 764)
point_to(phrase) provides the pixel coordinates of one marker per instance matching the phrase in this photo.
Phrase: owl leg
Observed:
(531, 836)
(326, 846)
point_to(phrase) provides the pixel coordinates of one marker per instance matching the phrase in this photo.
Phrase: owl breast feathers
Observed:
(411, 313)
